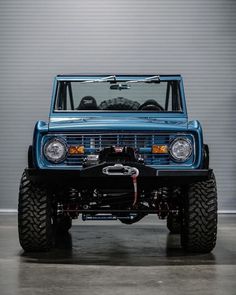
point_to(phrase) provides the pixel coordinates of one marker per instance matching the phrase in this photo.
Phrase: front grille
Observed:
(93, 143)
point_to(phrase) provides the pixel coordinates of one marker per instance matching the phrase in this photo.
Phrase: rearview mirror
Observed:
(119, 87)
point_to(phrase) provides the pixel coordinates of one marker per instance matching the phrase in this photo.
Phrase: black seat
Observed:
(87, 103)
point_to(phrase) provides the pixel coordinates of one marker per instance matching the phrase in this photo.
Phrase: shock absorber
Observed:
(165, 193)
(163, 207)
(70, 207)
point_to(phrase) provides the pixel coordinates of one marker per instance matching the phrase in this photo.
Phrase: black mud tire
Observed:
(199, 224)
(64, 223)
(119, 103)
(35, 225)
(174, 224)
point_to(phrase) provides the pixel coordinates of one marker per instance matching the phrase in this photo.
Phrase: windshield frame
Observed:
(118, 78)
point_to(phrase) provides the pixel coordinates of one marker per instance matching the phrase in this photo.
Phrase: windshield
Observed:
(149, 95)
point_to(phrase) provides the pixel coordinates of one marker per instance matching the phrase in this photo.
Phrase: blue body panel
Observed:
(116, 123)
(62, 122)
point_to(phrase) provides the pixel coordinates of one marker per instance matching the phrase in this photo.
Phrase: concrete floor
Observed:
(110, 258)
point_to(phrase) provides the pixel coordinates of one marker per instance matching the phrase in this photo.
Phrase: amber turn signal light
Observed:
(159, 149)
(74, 150)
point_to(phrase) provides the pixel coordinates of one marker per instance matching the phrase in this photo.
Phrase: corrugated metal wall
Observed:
(39, 39)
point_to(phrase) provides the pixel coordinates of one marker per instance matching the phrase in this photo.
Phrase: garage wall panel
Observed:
(39, 39)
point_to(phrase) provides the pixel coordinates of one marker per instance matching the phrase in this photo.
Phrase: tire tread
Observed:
(200, 226)
(34, 220)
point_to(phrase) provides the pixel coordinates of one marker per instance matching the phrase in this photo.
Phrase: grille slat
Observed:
(106, 141)
(96, 142)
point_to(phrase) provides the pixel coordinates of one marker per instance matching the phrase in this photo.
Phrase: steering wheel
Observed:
(151, 105)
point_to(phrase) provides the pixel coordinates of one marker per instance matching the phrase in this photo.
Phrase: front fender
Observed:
(40, 129)
(196, 128)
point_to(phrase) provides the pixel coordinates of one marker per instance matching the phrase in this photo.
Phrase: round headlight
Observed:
(181, 149)
(55, 150)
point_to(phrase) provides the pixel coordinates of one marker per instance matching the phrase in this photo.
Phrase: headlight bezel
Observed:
(62, 142)
(191, 146)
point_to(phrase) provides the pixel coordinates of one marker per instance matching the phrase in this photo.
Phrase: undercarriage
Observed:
(113, 204)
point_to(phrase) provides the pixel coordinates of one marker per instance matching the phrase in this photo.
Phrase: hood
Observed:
(72, 124)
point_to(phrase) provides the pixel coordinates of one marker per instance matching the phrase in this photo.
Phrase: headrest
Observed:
(87, 103)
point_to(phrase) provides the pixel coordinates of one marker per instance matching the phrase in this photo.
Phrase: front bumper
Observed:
(94, 177)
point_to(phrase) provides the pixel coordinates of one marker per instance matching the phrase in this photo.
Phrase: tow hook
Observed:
(118, 170)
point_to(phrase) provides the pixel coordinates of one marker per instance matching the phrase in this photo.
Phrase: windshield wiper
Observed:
(105, 79)
(152, 79)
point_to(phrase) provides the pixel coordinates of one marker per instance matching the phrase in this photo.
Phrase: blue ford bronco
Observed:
(118, 147)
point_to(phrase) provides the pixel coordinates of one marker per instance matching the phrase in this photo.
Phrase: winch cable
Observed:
(134, 177)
